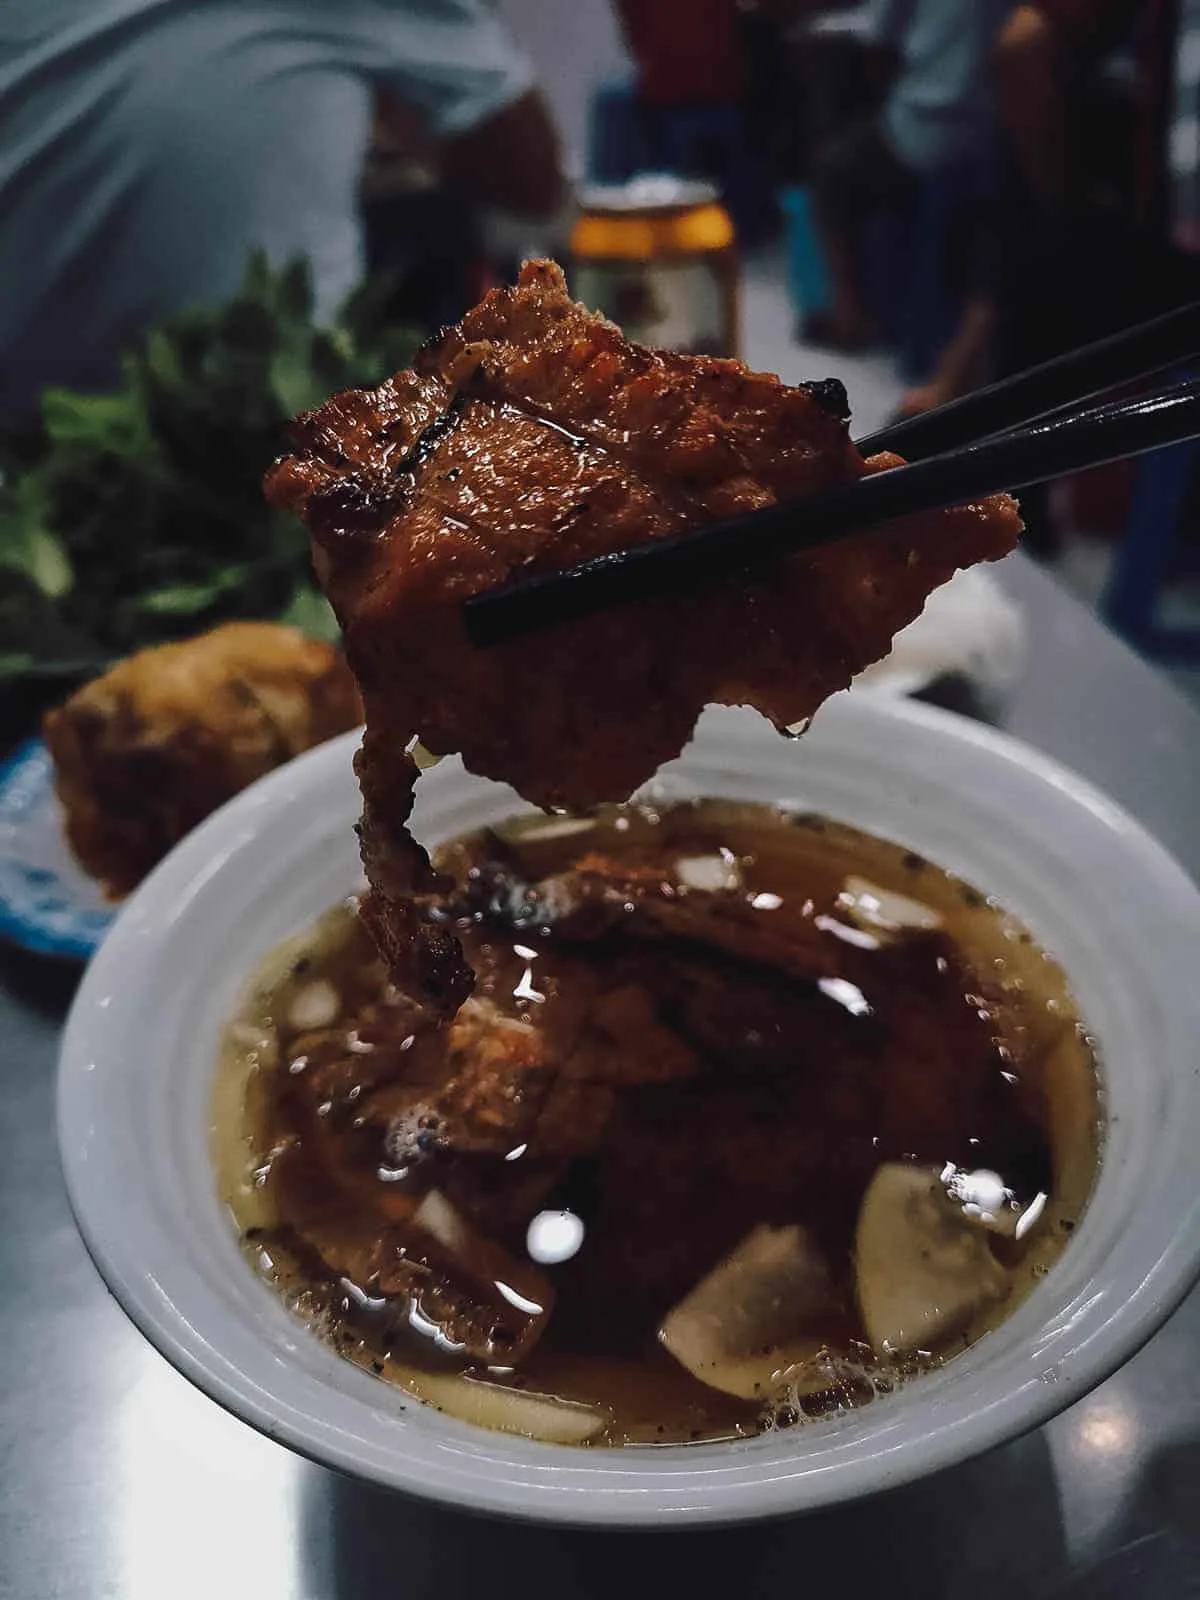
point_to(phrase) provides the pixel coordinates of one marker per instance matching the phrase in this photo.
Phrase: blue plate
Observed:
(48, 904)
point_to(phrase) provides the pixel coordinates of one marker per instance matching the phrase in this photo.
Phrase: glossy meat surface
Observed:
(534, 436)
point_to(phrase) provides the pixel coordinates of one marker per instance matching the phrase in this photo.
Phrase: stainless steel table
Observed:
(119, 1480)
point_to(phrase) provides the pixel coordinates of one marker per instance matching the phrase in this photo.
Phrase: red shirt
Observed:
(687, 52)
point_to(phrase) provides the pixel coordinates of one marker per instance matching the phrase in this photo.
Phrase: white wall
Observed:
(575, 44)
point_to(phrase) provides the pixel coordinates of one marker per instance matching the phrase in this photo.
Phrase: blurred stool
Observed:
(1142, 561)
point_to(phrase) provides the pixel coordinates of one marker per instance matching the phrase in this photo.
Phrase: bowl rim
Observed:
(532, 1483)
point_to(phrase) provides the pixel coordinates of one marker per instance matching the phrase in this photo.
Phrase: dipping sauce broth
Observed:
(751, 1118)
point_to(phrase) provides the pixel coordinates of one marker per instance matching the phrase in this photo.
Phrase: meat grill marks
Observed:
(534, 436)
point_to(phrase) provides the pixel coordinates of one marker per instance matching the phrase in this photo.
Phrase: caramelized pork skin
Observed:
(533, 436)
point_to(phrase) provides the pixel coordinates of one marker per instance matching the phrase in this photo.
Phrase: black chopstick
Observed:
(1013, 402)
(714, 551)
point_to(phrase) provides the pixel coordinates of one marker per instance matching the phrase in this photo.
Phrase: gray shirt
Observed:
(941, 105)
(148, 146)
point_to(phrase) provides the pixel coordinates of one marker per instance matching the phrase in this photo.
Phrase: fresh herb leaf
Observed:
(39, 554)
(131, 518)
(28, 546)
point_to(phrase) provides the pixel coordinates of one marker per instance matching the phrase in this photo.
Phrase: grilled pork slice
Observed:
(533, 436)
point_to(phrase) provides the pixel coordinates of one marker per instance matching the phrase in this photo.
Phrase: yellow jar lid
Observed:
(646, 235)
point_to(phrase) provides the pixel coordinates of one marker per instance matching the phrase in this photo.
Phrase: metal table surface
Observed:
(119, 1480)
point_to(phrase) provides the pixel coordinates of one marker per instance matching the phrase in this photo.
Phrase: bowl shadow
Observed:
(990, 1527)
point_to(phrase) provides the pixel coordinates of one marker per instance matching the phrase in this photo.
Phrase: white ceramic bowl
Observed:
(1095, 889)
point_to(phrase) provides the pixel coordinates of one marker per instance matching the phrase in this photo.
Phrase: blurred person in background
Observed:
(937, 112)
(147, 147)
(1087, 244)
(1086, 184)
(690, 88)
(1082, 234)
(687, 54)
(716, 97)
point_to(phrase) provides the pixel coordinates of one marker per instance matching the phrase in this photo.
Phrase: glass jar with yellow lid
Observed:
(658, 256)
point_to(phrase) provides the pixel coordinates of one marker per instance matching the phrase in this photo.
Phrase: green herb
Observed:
(139, 516)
